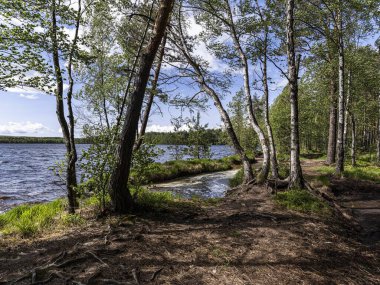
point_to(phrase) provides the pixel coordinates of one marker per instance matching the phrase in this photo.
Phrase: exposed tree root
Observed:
(155, 274)
(136, 275)
(50, 271)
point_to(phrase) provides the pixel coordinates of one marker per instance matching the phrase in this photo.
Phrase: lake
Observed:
(26, 174)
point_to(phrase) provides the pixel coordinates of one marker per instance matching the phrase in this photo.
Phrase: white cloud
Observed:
(29, 96)
(28, 90)
(22, 128)
(158, 128)
(163, 129)
(194, 28)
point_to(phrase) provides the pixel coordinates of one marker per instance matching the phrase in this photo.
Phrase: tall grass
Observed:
(27, 220)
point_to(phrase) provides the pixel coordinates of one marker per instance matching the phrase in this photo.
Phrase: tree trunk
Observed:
(67, 131)
(263, 175)
(348, 98)
(353, 140)
(296, 177)
(152, 93)
(247, 169)
(273, 155)
(341, 108)
(120, 195)
(331, 147)
(378, 136)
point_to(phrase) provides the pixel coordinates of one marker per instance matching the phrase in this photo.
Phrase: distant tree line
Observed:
(209, 136)
(11, 139)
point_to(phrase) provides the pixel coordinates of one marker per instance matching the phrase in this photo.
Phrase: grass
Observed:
(363, 171)
(159, 172)
(237, 179)
(302, 201)
(28, 220)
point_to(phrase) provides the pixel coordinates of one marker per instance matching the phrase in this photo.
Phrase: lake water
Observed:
(26, 175)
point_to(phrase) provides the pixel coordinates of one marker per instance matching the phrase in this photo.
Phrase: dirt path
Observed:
(360, 198)
(245, 239)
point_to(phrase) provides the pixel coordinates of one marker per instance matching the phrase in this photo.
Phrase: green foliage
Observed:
(153, 200)
(302, 201)
(197, 145)
(237, 179)
(97, 163)
(28, 220)
(142, 164)
(239, 118)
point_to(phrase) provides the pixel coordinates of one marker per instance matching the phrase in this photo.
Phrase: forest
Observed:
(296, 86)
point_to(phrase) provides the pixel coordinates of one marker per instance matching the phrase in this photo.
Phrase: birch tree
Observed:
(296, 177)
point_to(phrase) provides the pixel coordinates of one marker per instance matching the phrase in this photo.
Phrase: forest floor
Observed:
(243, 239)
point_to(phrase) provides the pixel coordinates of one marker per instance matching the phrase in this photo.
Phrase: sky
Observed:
(28, 112)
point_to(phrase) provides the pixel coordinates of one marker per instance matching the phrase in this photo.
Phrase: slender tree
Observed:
(296, 177)
(341, 98)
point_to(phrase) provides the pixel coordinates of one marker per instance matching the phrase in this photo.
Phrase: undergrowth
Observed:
(363, 171)
(302, 201)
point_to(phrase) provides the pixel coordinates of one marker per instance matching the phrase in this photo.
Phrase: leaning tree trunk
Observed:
(331, 146)
(67, 131)
(247, 169)
(152, 93)
(263, 175)
(353, 140)
(341, 108)
(120, 195)
(296, 177)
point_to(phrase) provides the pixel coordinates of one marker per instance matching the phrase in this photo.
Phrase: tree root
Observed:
(97, 258)
(136, 275)
(155, 274)
(48, 269)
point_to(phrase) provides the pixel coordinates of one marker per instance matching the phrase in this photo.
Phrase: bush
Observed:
(302, 201)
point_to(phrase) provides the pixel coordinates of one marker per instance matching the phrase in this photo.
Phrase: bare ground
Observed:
(245, 239)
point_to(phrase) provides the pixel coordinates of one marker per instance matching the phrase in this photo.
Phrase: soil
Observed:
(244, 239)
